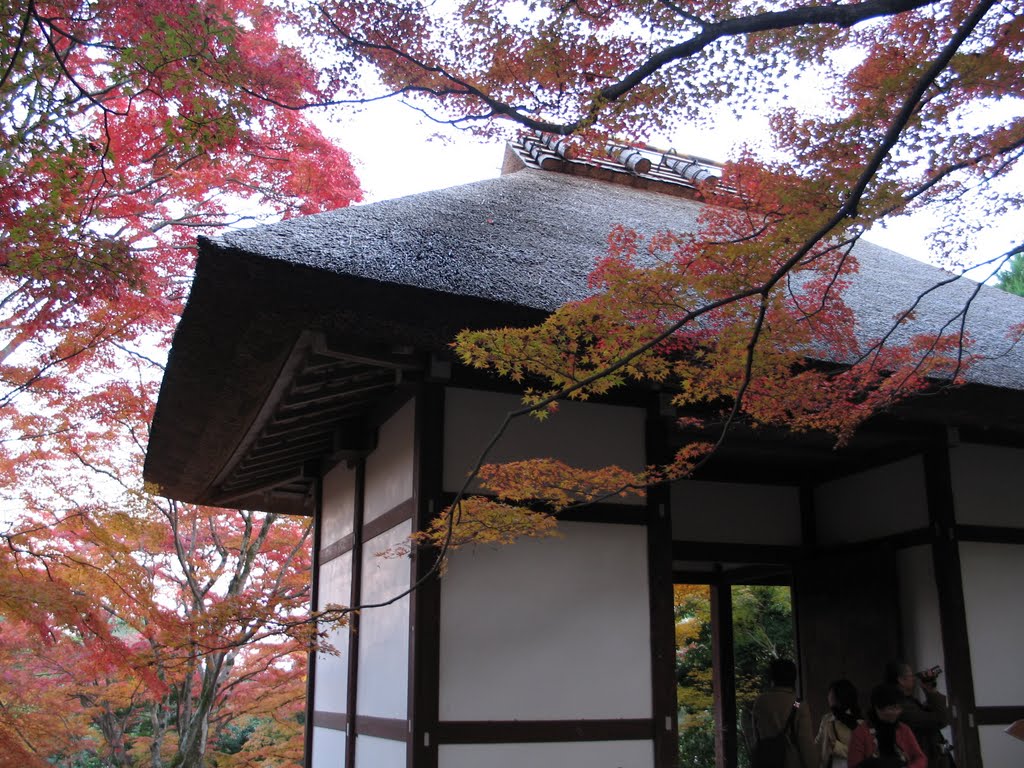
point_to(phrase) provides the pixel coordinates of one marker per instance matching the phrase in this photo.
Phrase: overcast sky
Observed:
(398, 152)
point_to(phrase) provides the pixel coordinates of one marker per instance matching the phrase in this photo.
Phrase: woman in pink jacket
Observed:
(882, 741)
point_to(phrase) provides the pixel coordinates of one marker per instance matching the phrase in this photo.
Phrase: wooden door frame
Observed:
(723, 661)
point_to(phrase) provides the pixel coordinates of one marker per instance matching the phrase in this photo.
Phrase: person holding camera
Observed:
(926, 716)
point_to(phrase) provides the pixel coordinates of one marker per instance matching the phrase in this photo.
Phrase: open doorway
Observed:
(726, 633)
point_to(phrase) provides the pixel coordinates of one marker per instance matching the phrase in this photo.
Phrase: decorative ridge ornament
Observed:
(632, 158)
(690, 169)
(669, 170)
(539, 152)
(559, 146)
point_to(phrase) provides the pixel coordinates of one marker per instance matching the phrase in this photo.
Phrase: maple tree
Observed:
(127, 129)
(144, 659)
(135, 630)
(924, 113)
(138, 631)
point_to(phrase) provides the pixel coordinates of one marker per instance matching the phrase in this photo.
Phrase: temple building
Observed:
(311, 374)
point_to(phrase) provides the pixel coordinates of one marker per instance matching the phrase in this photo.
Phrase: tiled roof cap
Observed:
(633, 164)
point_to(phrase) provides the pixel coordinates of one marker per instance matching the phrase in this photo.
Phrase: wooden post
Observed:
(425, 606)
(356, 598)
(952, 609)
(659, 569)
(723, 669)
(318, 509)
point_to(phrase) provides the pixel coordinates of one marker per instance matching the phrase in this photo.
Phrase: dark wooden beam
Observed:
(723, 676)
(307, 757)
(336, 549)
(664, 704)
(385, 522)
(381, 728)
(991, 436)
(990, 534)
(952, 607)
(425, 605)
(335, 721)
(998, 715)
(768, 575)
(540, 731)
(718, 552)
(356, 598)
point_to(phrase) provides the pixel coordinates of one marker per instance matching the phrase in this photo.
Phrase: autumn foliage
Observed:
(135, 630)
(129, 635)
(138, 631)
(730, 322)
(877, 108)
(916, 106)
(128, 128)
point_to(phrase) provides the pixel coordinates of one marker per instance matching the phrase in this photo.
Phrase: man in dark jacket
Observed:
(926, 719)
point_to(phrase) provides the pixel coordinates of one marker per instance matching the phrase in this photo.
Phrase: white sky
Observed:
(396, 152)
(401, 155)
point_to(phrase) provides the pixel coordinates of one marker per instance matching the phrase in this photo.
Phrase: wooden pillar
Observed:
(318, 490)
(810, 678)
(723, 669)
(952, 609)
(425, 606)
(355, 599)
(659, 565)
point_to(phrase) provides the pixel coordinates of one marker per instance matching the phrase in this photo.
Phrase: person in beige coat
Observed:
(772, 709)
(837, 724)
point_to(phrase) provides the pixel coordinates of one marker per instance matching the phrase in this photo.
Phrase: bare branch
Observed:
(845, 15)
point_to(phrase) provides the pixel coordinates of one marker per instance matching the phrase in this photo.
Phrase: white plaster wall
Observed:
(373, 752)
(338, 512)
(592, 754)
(879, 502)
(735, 512)
(328, 748)
(993, 575)
(331, 674)
(986, 485)
(549, 629)
(585, 435)
(384, 632)
(999, 749)
(919, 601)
(389, 469)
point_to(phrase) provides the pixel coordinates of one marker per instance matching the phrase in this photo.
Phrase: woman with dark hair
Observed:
(882, 741)
(837, 724)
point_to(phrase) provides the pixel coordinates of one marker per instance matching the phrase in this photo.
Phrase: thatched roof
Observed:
(370, 290)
